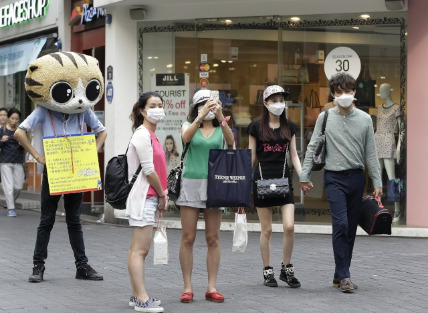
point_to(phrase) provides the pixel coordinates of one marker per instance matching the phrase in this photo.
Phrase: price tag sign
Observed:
(342, 60)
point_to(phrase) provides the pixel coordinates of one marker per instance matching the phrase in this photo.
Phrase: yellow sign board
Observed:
(72, 163)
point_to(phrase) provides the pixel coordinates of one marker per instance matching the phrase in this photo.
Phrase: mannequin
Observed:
(388, 118)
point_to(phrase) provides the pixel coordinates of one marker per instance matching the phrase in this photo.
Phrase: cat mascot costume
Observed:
(64, 85)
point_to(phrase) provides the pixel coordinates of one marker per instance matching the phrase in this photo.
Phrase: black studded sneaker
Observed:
(269, 277)
(287, 275)
(37, 276)
(86, 272)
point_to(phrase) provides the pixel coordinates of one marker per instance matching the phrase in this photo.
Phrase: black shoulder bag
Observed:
(274, 187)
(318, 159)
(174, 178)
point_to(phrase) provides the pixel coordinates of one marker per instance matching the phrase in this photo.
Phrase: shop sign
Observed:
(176, 104)
(22, 11)
(204, 74)
(342, 60)
(109, 92)
(90, 13)
(169, 79)
(204, 67)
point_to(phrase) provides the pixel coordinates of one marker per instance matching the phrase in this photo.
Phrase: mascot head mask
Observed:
(66, 82)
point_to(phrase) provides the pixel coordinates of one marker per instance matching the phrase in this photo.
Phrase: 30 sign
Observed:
(342, 59)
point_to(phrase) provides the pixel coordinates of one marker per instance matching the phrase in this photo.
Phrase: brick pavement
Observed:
(390, 271)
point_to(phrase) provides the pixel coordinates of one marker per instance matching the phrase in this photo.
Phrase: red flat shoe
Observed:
(186, 297)
(214, 296)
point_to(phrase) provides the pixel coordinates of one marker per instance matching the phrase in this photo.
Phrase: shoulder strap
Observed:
(324, 122)
(134, 177)
(187, 145)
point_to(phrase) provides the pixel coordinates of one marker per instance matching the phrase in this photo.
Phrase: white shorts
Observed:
(150, 213)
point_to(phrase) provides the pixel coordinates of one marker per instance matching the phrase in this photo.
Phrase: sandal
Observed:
(214, 296)
(186, 297)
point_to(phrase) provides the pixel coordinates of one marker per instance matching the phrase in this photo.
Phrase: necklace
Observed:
(385, 107)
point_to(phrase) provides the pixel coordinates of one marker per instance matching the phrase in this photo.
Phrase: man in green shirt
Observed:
(350, 146)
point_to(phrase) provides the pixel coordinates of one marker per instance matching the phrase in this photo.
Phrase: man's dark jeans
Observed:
(73, 209)
(344, 191)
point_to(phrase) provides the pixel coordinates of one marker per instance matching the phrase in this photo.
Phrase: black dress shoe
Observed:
(86, 272)
(37, 276)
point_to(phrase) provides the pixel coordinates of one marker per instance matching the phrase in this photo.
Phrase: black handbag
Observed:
(318, 159)
(174, 178)
(273, 187)
(375, 219)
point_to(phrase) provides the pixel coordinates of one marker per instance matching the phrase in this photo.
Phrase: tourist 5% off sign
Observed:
(342, 60)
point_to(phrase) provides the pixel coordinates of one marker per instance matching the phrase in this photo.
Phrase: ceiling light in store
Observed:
(215, 65)
(149, 58)
(185, 67)
(155, 57)
(231, 68)
(383, 77)
(169, 65)
(405, 34)
(230, 61)
(223, 61)
(228, 21)
(187, 62)
(295, 19)
(254, 65)
(152, 70)
(365, 16)
(355, 27)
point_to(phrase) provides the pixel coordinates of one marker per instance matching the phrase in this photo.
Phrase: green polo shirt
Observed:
(350, 144)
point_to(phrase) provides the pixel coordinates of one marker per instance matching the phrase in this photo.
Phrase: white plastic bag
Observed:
(160, 244)
(240, 233)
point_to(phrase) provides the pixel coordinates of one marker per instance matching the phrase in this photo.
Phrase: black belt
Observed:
(347, 172)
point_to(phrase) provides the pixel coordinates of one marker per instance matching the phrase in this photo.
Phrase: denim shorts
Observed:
(150, 213)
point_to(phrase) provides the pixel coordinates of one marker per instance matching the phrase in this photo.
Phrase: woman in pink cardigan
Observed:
(148, 196)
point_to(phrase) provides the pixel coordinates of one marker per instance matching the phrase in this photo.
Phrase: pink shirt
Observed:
(159, 163)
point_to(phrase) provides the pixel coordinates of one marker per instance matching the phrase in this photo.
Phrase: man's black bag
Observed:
(374, 218)
(318, 158)
(117, 186)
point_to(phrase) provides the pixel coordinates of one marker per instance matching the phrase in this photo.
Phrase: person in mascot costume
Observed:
(64, 85)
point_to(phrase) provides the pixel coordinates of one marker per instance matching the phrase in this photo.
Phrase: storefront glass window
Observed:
(245, 55)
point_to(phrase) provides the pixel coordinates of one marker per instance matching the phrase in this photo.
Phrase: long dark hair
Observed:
(194, 113)
(136, 117)
(266, 133)
(174, 151)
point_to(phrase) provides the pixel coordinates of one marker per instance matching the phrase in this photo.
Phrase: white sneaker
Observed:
(134, 299)
(148, 306)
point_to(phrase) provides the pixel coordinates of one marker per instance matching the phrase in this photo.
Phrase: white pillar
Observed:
(122, 54)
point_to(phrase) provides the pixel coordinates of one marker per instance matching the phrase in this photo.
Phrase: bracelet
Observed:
(198, 121)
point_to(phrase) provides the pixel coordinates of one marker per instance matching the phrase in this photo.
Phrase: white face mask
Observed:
(155, 115)
(210, 115)
(276, 108)
(344, 100)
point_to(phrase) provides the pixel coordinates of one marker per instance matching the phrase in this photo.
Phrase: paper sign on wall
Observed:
(72, 164)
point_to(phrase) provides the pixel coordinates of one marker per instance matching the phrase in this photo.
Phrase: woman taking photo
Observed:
(269, 139)
(147, 197)
(11, 159)
(206, 129)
